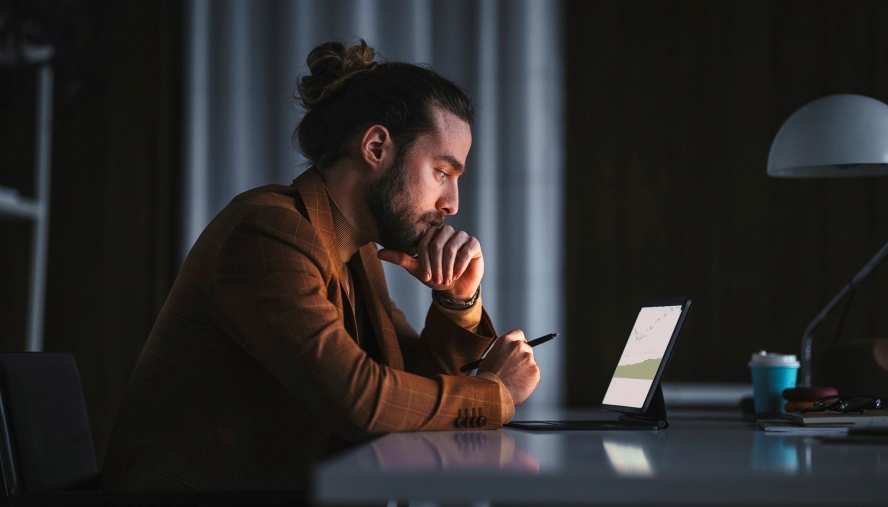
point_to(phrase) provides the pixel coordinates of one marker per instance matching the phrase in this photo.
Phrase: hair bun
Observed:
(331, 65)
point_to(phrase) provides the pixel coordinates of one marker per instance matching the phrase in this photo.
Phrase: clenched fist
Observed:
(511, 360)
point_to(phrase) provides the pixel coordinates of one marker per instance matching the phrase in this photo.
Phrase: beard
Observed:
(396, 220)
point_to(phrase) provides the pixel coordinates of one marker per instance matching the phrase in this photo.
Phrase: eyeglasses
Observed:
(845, 404)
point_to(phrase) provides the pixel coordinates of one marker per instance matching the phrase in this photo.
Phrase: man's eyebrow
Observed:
(450, 159)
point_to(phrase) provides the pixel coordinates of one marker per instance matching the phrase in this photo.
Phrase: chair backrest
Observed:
(45, 440)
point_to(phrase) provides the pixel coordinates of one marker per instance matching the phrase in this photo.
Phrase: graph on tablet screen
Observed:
(642, 356)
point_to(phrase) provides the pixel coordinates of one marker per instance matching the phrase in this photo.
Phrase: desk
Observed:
(703, 458)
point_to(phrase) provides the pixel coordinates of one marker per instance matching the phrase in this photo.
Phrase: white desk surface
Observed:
(704, 458)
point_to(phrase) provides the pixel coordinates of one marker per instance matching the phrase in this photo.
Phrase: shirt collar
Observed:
(348, 241)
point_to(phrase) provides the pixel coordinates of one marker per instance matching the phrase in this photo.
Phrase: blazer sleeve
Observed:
(270, 294)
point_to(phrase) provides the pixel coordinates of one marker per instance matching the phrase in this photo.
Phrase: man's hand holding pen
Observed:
(511, 360)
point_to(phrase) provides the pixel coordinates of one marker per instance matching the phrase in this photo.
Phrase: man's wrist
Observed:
(456, 304)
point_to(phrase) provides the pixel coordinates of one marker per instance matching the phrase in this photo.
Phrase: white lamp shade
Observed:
(836, 136)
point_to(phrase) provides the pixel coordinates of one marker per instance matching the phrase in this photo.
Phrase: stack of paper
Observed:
(869, 420)
(783, 426)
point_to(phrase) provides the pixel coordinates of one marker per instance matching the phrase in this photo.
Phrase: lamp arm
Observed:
(852, 286)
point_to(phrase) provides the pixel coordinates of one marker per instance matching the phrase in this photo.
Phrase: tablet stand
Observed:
(655, 414)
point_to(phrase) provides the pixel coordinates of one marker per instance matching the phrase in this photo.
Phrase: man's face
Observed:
(420, 187)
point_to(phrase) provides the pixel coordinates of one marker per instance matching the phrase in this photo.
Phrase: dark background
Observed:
(671, 109)
(115, 165)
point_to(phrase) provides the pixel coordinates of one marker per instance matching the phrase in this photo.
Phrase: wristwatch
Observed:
(456, 304)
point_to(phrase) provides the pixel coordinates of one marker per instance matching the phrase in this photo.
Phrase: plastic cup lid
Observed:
(762, 358)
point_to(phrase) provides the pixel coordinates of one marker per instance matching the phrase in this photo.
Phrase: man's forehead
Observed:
(451, 140)
(448, 123)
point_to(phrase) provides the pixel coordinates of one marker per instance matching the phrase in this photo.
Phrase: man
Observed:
(279, 344)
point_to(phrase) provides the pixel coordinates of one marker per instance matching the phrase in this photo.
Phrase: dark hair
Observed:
(348, 91)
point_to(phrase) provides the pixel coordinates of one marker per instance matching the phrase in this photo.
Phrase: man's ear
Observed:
(377, 148)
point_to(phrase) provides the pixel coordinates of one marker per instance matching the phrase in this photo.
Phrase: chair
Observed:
(46, 448)
(45, 440)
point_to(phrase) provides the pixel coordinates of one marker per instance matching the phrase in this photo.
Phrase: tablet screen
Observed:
(646, 347)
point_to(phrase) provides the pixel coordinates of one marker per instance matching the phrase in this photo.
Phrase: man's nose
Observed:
(449, 201)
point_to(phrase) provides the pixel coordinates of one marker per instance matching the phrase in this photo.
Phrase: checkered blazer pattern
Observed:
(253, 370)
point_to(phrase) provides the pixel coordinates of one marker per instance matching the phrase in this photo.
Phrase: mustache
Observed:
(436, 218)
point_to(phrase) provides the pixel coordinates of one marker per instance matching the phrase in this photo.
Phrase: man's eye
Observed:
(441, 174)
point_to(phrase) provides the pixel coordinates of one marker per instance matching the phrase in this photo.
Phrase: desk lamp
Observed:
(837, 136)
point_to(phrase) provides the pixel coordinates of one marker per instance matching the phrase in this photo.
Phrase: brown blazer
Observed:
(253, 371)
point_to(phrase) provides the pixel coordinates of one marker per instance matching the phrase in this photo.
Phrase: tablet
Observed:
(634, 389)
(646, 355)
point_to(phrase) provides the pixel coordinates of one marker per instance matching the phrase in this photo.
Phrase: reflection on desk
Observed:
(628, 459)
(445, 450)
(701, 459)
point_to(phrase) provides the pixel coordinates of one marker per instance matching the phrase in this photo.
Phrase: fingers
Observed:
(449, 253)
(441, 254)
(471, 250)
(515, 334)
(446, 253)
(515, 342)
(519, 347)
(422, 249)
(401, 259)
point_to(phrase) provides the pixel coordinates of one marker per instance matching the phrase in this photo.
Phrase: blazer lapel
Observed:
(369, 272)
(317, 203)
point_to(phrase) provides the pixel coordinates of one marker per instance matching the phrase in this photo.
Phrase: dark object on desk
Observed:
(845, 404)
(533, 343)
(800, 398)
(858, 366)
(809, 394)
(796, 406)
(46, 440)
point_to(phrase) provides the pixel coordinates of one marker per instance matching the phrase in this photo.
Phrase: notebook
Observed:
(634, 390)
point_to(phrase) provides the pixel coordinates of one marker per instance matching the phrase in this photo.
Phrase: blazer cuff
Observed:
(468, 319)
(508, 406)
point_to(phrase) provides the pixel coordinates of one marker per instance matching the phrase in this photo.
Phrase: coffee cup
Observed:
(771, 374)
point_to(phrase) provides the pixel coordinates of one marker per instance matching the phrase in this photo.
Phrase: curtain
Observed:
(242, 64)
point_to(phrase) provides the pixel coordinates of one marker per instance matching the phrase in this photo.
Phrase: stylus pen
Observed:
(533, 343)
